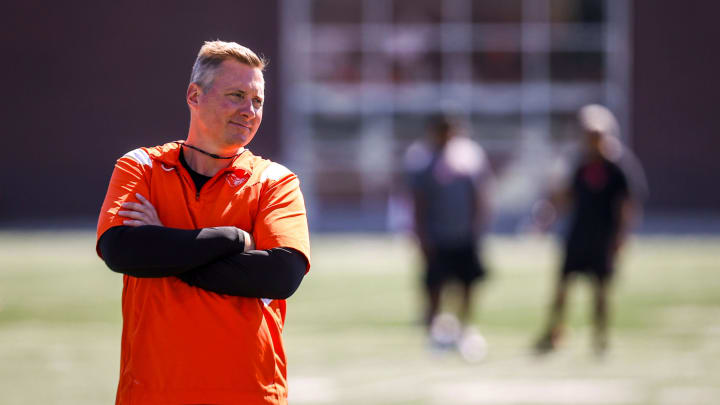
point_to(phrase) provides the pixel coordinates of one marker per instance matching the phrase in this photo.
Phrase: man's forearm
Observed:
(155, 251)
(274, 273)
(625, 222)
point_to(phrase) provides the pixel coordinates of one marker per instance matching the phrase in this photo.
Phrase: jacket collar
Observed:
(169, 155)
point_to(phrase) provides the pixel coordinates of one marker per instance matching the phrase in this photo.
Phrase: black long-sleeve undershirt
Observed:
(208, 258)
(274, 273)
(156, 251)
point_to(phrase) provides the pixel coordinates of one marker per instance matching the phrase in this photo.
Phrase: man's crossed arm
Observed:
(215, 259)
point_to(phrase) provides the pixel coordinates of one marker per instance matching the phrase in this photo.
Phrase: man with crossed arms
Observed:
(211, 241)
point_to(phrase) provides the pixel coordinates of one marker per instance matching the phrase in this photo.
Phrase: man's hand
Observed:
(141, 214)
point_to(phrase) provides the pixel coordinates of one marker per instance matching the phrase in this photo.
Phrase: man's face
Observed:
(593, 141)
(441, 135)
(229, 110)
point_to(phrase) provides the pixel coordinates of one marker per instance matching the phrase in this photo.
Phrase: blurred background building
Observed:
(349, 85)
(368, 73)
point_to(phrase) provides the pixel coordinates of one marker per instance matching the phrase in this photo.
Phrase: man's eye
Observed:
(239, 95)
(258, 101)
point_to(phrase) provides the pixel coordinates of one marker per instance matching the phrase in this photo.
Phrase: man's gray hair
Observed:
(213, 53)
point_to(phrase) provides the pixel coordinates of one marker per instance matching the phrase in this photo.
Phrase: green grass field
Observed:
(351, 333)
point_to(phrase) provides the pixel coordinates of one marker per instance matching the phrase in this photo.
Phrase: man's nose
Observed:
(248, 110)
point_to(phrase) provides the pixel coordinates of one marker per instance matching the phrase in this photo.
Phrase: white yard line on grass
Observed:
(312, 390)
(319, 390)
(373, 381)
(688, 396)
(574, 392)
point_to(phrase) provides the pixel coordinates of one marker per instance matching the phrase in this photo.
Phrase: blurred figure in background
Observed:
(603, 199)
(448, 175)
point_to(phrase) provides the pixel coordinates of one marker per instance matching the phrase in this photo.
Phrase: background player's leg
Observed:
(466, 301)
(444, 329)
(431, 288)
(549, 338)
(600, 314)
(433, 303)
(472, 345)
(470, 272)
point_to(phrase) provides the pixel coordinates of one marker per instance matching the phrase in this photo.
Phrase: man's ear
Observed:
(193, 95)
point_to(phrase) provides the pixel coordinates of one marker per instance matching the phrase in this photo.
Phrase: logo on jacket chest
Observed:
(236, 179)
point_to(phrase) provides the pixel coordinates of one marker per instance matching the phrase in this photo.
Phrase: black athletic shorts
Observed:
(598, 263)
(459, 262)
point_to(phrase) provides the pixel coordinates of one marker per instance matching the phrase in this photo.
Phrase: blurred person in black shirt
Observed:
(603, 198)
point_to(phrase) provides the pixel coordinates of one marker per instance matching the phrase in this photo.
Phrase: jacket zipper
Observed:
(197, 192)
(213, 178)
(188, 179)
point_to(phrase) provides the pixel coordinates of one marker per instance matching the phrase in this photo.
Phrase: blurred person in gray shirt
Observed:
(448, 175)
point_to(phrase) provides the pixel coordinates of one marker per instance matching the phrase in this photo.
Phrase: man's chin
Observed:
(238, 140)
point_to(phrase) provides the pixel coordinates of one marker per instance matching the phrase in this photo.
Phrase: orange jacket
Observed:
(184, 345)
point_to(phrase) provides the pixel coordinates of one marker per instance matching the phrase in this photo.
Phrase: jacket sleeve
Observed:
(281, 220)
